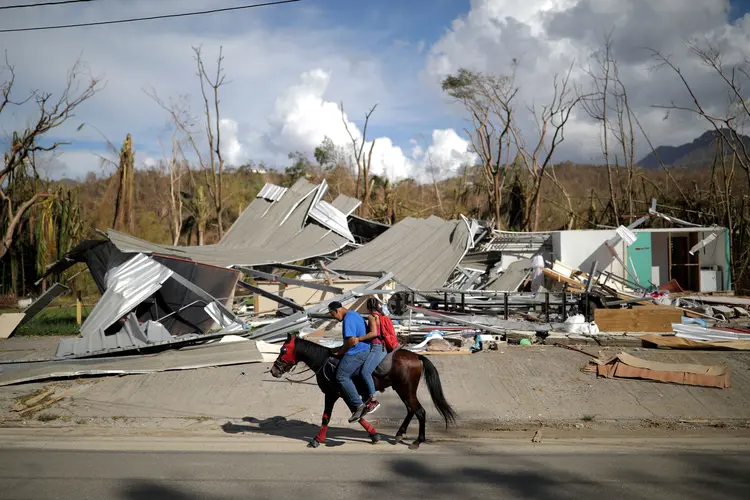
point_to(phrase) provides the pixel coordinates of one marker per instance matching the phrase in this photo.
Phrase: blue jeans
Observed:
(348, 366)
(374, 357)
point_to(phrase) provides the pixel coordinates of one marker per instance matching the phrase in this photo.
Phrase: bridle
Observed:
(286, 366)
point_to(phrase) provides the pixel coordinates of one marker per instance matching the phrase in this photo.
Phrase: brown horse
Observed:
(404, 376)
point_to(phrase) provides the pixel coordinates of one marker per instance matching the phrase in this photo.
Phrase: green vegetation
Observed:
(51, 321)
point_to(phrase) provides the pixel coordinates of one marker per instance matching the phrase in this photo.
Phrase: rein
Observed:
(301, 381)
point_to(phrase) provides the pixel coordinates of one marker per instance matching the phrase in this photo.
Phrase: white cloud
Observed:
(303, 118)
(546, 36)
(232, 150)
(261, 58)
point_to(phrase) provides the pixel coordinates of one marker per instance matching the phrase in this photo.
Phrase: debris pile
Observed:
(450, 286)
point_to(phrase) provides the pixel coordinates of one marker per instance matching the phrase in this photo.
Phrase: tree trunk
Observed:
(497, 199)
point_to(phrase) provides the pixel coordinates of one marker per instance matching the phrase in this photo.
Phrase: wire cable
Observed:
(42, 4)
(150, 18)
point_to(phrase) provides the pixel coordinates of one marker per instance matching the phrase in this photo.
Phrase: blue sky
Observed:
(290, 65)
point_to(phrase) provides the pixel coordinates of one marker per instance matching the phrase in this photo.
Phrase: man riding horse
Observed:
(353, 355)
(402, 369)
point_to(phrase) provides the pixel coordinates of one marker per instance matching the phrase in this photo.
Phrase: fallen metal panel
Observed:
(217, 354)
(272, 192)
(512, 277)
(693, 332)
(488, 323)
(717, 299)
(332, 218)
(265, 233)
(178, 308)
(43, 301)
(290, 281)
(127, 286)
(421, 253)
(278, 329)
(271, 296)
(223, 316)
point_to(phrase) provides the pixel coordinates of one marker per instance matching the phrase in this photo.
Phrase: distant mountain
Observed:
(700, 152)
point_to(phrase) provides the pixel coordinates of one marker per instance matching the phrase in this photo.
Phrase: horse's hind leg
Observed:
(405, 425)
(421, 417)
(409, 398)
(331, 399)
(408, 394)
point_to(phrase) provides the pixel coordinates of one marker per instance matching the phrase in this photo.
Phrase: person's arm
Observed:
(350, 339)
(349, 342)
(374, 332)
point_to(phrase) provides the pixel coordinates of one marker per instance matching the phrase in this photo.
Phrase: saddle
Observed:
(382, 370)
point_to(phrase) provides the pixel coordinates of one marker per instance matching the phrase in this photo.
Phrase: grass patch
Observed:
(51, 321)
(47, 417)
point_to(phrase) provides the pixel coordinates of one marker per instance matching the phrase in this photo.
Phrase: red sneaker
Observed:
(372, 406)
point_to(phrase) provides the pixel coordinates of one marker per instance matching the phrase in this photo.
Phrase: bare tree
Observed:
(731, 142)
(175, 166)
(597, 106)
(24, 144)
(212, 165)
(363, 162)
(489, 102)
(215, 172)
(550, 120)
(739, 110)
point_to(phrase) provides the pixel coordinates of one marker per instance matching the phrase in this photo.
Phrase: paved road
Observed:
(385, 473)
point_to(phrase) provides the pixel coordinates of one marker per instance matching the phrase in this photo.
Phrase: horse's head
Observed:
(287, 357)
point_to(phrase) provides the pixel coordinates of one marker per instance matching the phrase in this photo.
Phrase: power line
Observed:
(43, 4)
(150, 18)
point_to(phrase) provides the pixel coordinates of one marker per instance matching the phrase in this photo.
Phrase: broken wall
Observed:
(579, 249)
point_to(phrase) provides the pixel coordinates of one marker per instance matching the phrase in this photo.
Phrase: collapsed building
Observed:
(454, 279)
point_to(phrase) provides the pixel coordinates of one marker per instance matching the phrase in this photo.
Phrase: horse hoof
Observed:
(398, 438)
(414, 445)
(375, 438)
(313, 444)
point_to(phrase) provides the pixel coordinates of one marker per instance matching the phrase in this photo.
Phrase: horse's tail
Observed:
(436, 391)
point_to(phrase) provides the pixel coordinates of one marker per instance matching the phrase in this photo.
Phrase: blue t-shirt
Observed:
(354, 326)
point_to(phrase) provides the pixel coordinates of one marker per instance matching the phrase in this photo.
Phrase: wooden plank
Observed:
(643, 319)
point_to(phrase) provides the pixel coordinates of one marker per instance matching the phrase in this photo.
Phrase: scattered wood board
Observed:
(641, 319)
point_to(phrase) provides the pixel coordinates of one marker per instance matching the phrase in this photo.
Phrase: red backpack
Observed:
(387, 332)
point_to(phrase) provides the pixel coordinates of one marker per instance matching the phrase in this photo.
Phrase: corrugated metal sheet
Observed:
(272, 192)
(265, 233)
(421, 253)
(512, 278)
(185, 359)
(332, 218)
(128, 285)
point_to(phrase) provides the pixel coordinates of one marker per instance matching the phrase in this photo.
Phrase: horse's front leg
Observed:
(331, 399)
(374, 436)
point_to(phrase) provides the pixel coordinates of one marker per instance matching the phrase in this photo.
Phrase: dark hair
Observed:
(334, 306)
(373, 304)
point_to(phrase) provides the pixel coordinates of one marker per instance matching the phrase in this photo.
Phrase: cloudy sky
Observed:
(290, 65)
